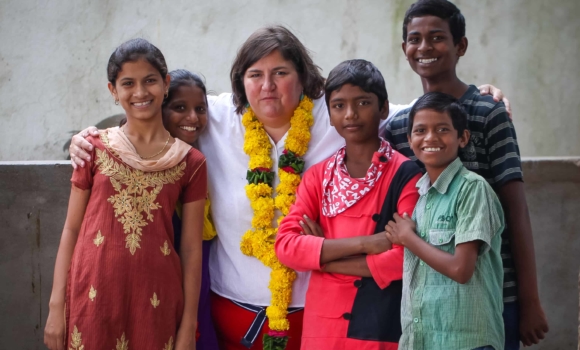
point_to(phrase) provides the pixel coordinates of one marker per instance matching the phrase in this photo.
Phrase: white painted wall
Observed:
(53, 56)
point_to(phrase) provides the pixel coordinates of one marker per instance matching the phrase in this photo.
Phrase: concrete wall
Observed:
(33, 200)
(53, 57)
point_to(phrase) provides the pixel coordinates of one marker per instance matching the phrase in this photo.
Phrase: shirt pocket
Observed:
(441, 237)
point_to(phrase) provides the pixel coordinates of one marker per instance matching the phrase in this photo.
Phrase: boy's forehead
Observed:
(349, 91)
(431, 116)
(427, 24)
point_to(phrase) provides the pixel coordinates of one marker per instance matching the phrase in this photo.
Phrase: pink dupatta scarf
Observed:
(128, 154)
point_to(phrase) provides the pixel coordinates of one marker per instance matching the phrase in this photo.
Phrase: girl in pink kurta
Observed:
(354, 294)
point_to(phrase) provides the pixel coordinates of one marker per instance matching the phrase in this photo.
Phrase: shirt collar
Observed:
(443, 181)
(471, 90)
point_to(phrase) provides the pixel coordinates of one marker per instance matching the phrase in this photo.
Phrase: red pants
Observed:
(232, 322)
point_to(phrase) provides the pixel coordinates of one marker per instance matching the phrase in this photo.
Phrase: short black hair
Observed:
(132, 51)
(441, 103)
(183, 77)
(438, 8)
(359, 73)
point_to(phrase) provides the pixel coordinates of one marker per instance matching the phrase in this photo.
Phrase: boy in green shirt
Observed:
(452, 272)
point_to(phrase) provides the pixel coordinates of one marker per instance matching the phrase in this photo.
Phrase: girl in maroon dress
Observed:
(118, 281)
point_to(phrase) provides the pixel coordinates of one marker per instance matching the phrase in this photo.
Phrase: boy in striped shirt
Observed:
(433, 40)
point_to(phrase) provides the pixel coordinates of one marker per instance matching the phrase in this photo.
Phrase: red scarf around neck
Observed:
(340, 191)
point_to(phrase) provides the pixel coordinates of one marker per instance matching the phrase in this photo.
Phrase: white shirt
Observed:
(234, 275)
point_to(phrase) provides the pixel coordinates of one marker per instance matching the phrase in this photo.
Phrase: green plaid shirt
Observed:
(438, 313)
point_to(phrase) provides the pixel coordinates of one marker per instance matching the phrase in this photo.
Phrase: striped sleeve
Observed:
(502, 147)
(396, 134)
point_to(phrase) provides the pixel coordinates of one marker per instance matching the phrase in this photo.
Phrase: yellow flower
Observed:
(260, 161)
(278, 322)
(255, 191)
(284, 202)
(246, 246)
(290, 179)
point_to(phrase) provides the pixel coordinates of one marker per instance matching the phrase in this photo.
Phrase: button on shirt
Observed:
(438, 313)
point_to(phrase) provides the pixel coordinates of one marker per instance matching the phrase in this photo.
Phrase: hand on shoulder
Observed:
(79, 147)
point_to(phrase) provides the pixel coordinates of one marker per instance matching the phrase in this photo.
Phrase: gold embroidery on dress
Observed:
(133, 203)
(169, 345)
(154, 301)
(92, 293)
(105, 140)
(122, 344)
(76, 340)
(99, 239)
(165, 249)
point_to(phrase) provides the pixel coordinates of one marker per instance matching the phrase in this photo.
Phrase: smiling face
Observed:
(185, 116)
(429, 47)
(356, 114)
(273, 89)
(435, 141)
(140, 90)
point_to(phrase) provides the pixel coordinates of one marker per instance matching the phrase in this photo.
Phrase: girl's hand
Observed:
(185, 339)
(400, 230)
(54, 330)
(310, 227)
(79, 147)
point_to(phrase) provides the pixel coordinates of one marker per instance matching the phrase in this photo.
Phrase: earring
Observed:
(302, 95)
(117, 102)
(247, 105)
(166, 93)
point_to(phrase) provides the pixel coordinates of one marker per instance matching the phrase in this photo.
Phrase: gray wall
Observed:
(53, 56)
(33, 200)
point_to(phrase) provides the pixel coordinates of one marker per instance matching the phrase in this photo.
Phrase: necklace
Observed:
(258, 241)
(156, 154)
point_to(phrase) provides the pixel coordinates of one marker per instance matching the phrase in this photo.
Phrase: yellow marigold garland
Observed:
(259, 240)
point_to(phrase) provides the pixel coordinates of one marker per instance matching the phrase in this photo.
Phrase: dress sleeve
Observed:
(502, 147)
(196, 186)
(301, 252)
(388, 266)
(479, 214)
(82, 177)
